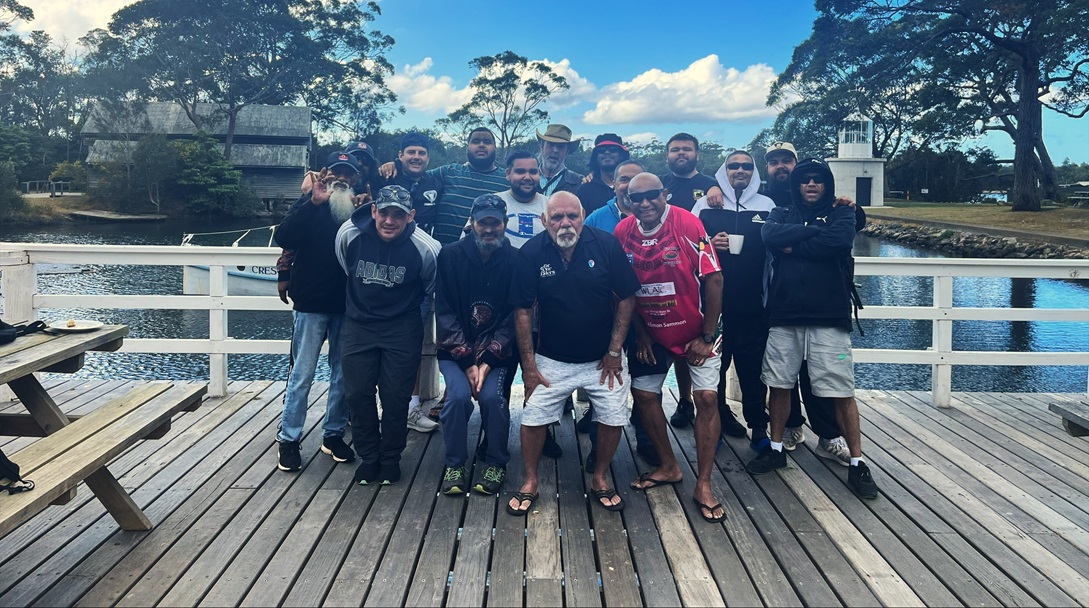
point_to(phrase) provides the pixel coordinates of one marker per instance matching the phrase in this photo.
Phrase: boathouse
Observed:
(271, 144)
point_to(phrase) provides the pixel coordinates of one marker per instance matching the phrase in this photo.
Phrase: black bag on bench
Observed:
(8, 333)
(9, 477)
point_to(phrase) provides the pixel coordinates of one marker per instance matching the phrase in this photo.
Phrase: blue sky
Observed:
(640, 69)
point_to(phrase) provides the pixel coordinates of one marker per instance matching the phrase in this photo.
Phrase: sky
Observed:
(643, 70)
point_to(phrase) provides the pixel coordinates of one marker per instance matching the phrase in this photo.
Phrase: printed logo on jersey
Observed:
(431, 195)
(651, 290)
(650, 242)
(523, 224)
(547, 271)
(380, 274)
(482, 314)
(756, 219)
(591, 263)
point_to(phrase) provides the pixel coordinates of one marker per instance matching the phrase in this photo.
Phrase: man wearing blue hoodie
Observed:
(391, 267)
(809, 304)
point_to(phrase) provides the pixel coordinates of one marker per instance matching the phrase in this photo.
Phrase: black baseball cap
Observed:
(342, 159)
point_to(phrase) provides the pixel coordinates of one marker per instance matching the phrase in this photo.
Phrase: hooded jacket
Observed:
(742, 274)
(385, 280)
(317, 281)
(474, 319)
(811, 284)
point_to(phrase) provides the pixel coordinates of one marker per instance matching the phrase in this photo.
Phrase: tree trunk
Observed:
(1025, 195)
(1047, 170)
(232, 122)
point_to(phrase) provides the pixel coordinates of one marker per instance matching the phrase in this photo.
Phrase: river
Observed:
(901, 291)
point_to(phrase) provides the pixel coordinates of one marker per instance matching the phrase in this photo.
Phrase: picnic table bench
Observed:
(1075, 416)
(76, 449)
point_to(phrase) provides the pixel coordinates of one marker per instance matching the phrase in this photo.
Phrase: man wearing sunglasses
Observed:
(744, 327)
(391, 268)
(677, 269)
(809, 307)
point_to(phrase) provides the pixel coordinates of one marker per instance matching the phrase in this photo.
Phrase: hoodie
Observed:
(385, 280)
(317, 282)
(742, 274)
(811, 283)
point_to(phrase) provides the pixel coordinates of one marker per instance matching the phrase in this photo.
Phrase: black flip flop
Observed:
(654, 482)
(522, 497)
(610, 493)
(710, 509)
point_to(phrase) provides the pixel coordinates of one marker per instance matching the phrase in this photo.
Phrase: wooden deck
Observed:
(981, 504)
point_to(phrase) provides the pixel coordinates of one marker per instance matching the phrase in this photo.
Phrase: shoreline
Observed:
(973, 241)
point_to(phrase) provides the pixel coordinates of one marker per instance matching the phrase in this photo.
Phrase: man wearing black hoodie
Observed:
(391, 268)
(809, 308)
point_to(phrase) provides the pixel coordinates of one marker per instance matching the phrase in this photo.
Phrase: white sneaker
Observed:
(418, 421)
(834, 449)
(792, 436)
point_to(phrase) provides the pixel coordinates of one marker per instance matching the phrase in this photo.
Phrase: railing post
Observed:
(429, 368)
(18, 284)
(941, 374)
(217, 332)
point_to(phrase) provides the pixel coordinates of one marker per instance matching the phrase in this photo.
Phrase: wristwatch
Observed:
(709, 338)
(613, 353)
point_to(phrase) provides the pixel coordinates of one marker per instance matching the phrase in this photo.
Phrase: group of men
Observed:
(598, 283)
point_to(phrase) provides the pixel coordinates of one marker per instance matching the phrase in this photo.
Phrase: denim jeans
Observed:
(311, 329)
(494, 402)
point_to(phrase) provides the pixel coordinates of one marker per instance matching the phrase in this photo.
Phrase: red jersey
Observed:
(669, 265)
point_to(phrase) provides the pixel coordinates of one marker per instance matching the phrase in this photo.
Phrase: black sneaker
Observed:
(649, 455)
(861, 481)
(366, 473)
(591, 462)
(767, 461)
(586, 422)
(290, 458)
(455, 481)
(686, 412)
(551, 448)
(335, 447)
(389, 474)
(491, 481)
(730, 426)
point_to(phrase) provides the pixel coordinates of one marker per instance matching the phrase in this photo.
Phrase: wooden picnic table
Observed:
(77, 449)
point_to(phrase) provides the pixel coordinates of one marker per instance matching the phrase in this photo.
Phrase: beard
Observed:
(567, 239)
(488, 246)
(681, 167)
(340, 204)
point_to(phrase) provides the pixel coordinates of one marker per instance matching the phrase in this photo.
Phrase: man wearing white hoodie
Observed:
(744, 325)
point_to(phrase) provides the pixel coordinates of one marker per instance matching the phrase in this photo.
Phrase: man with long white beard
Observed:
(317, 294)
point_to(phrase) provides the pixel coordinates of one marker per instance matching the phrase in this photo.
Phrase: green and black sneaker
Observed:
(455, 481)
(491, 481)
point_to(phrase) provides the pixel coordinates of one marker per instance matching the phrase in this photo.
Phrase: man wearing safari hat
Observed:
(609, 151)
(556, 143)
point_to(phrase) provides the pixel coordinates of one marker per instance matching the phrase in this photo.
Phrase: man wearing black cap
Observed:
(476, 345)
(556, 143)
(391, 268)
(317, 295)
(609, 151)
(809, 303)
(426, 190)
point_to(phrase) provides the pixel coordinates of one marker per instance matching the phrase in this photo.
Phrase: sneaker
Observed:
(417, 421)
(835, 450)
(682, 418)
(586, 422)
(792, 436)
(389, 474)
(759, 443)
(767, 461)
(551, 448)
(335, 447)
(591, 462)
(366, 473)
(730, 426)
(454, 481)
(649, 455)
(290, 458)
(491, 481)
(861, 482)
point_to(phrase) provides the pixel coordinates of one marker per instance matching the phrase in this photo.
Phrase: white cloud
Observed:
(580, 90)
(644, 137)
(419, 90)
(71, 20)
(705, 91)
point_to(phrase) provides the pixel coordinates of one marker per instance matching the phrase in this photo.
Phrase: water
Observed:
(899, 291)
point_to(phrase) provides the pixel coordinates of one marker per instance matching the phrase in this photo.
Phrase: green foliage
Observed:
(1070, 172)
(948, 175)
(508, 92)
(76, 173)
(208, 183)
(15, 146)
(10, 199)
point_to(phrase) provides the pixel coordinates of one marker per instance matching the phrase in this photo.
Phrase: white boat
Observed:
(241, 280)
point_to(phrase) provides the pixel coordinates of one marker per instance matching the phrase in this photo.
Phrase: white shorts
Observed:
(704, 377)
(827, 351)
(545, 405)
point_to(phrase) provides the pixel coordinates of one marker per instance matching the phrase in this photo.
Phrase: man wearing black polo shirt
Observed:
(575, 276)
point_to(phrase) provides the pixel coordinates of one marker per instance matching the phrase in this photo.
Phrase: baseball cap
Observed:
(362, 151)
(338, 159)
(415, 139)
(393, 196)
(489, 205)
(781, 146)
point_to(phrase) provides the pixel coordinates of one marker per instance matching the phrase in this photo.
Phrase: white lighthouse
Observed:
(858, 174)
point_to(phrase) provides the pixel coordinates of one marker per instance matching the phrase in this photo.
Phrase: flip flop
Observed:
(609, 494)
(522, 497)
(653, 481)
(710, 509)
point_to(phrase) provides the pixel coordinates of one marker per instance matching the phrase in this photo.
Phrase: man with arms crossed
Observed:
(575, 276)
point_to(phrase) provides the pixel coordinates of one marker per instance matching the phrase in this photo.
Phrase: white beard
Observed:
(341, 205)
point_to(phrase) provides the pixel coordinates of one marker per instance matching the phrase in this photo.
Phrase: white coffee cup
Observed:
(736, 241)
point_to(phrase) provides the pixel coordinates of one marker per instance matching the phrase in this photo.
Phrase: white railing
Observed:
(22, 301)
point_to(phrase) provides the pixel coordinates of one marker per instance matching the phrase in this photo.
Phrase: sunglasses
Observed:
(736, 166)
(394, 192)
(649, 195)
(816, 179)
(497, 203)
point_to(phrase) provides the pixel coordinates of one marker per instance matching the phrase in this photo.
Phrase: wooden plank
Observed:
(68, 366)
(544, 573)
(580, 574)
(1052, 442)
(509, 547)
(45, 350)
(469, 572)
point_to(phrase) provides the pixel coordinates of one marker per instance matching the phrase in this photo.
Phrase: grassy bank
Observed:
(1059, 221)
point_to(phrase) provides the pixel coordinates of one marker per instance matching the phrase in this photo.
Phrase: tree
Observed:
(318, 53)
(207, 181)
(508, 93)
(936, 70)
